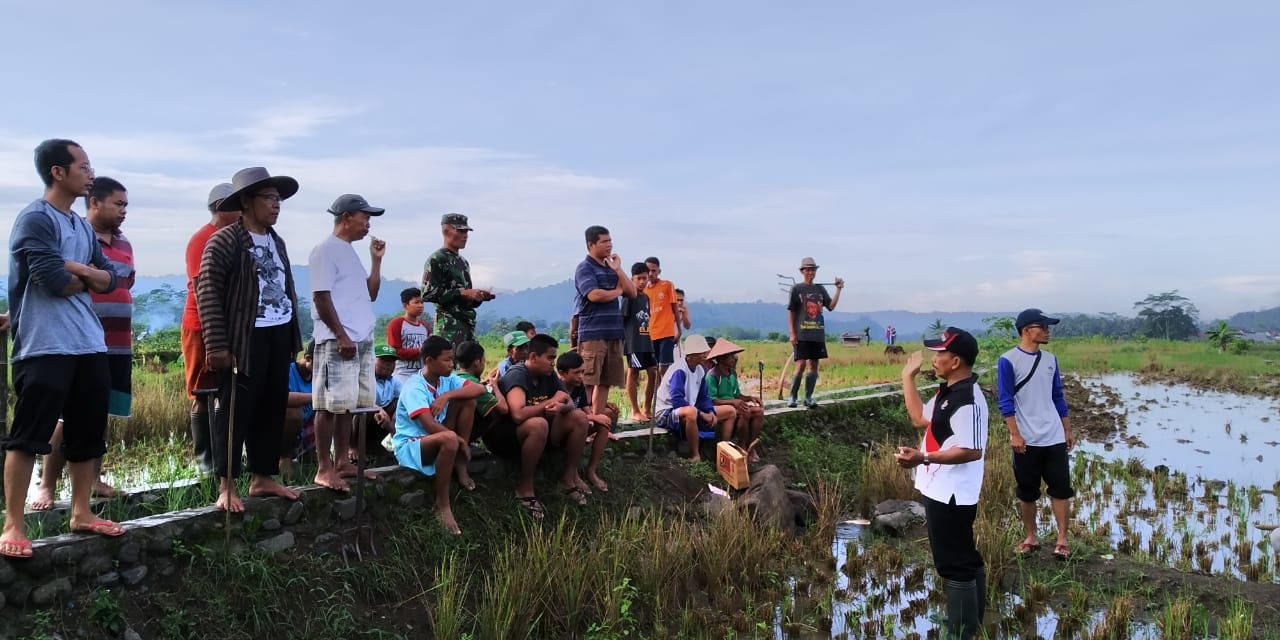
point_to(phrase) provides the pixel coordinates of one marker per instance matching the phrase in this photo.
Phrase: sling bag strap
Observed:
(1023, 382)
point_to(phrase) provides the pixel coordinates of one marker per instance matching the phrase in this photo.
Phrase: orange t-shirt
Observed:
(662, 320)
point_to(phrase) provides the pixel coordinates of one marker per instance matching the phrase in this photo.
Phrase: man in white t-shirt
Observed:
(342, 294)
(948, 468)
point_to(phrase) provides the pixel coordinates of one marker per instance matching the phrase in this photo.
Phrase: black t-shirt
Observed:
(536, 389)
(807, 303)
(635, 323)
(578, 395)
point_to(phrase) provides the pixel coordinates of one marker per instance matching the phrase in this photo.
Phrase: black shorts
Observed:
(500, 437)
(1043, 463)
(642, 360)
(72, 387)
(664, 349)
(810, 350)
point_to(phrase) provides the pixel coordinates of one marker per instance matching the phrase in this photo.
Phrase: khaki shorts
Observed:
(339, 385)
(602, 362)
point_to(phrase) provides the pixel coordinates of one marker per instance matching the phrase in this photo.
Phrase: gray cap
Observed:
(350, 202)
(220, 192)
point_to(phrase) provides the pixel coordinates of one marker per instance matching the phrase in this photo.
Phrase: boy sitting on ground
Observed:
(386, 387)
(684, 403)
(541, 412)
(722, 384)
(569, 368)
(434, 410)
(491, 406)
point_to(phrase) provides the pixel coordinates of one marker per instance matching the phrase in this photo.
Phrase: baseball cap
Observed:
(1033, 316)
(515, 339)
(384, 351)
(957, 341)
(220, 192)
(350, 202)
(695, 344)
(455, 220)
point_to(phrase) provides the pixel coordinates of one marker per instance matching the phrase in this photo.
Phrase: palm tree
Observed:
(1221, 336)
(938, 327)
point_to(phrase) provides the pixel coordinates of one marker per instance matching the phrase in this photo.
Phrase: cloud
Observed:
(275, 126)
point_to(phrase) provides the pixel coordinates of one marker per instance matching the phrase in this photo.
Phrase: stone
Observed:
(713, 505)
(767, 500)
(346, 509)
(130, 634)
(271, 524)
(67, 555)
(294, 514)
(413, 499)
(95, 564)
(276, 544)
(7, 574)
(129, 553)
(1, 600)
(108, 579)
(18, 593)
(45, 594)
(326, 538)
(161, 545)
(897, 517)
(134, 575)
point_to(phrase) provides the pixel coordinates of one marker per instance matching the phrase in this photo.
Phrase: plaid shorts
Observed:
(339, 385)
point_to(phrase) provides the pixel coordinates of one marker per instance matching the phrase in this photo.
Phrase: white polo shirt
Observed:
(957, 419)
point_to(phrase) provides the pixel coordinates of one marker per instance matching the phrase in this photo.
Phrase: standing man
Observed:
(808, 329)
(949, 471)
(446, 281)
(600, 281)
(1035, 410)
(107, 203)
(247, 318)
(196, 373)
(59, 356)
(663, 316)
(342, 296)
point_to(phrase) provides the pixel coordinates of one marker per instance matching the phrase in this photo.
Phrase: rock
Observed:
(129, 553)
(18, 593)
(161, 545)
(896, 517)
(414, 499)
(278, 543)
(130, 634)
(346, 509)
(67, 555)
(108, 579)
(1, 600)
(326, 538)
(93, 565)
(768, 502)
(294, 514)
(714, 505)
(630, 455)
(271, 524)
(134, 575)
(45, 594)
(7, 574)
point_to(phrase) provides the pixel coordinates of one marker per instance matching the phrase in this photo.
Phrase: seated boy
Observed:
(517, 345)
(541, 412)
(386, 389)
(299, 434)
(722, 384)
(433, 411)
(637, 346)
(569, 368)
(406, 333)
(684, 404)
(491, 406)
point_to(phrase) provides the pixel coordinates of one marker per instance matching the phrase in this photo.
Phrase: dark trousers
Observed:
(261, 397)
(74, 388)
(955, 554)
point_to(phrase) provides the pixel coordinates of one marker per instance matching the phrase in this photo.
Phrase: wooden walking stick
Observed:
(783, 375)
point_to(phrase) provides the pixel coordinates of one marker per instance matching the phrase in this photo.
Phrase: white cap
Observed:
(695, 344)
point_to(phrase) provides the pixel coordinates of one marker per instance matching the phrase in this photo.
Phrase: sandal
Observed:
(1061, 552)
(1025, 548)
(23, 545)
(574, 494)
(534, 506)
(102, 528)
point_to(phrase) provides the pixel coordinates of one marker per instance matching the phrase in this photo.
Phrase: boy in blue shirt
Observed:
(433, 421)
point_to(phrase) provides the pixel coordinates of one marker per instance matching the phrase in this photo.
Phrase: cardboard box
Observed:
(731, 462)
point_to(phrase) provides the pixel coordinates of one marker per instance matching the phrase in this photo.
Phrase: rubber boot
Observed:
(980, 579)
(201, 445)
(795, 389)
(963, 610)
(810, 381)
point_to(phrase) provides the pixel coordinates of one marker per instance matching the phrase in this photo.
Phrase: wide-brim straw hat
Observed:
(723, 348)
(252, 179)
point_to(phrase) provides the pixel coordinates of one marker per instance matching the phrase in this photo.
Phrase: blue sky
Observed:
(939, 156)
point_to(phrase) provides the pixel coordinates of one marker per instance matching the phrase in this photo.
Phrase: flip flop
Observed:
(102, 528)
(1025, 548)
(574, 494)
(23, 545)
(1061, 552)
(533, 506)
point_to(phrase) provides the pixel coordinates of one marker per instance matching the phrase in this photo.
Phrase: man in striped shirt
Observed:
(107, 203)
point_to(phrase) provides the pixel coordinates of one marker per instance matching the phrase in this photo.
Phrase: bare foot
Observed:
(582, 486)
(44, 499)
(598, 483)
(264, 486)
(229, 501)
(754, 457)
(330, 478)
(347, 470)
(445, 516)
(695, 459)
(104, 490)
(464, 478)
(614, 436)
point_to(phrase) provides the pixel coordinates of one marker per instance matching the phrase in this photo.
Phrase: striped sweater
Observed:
(227, 293)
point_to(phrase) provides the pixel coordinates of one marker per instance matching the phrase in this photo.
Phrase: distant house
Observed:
(850, 339)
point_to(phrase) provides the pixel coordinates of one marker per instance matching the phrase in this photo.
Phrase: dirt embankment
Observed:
(1097, 412)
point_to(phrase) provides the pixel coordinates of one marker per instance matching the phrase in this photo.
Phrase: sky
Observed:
(938, 156)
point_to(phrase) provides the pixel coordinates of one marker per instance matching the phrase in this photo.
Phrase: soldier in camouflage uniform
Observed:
(446, 282)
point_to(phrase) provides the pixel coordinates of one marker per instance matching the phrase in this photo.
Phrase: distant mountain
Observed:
(388, 302)
(1264, 320)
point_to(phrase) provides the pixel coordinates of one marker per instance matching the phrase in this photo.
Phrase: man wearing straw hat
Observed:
(808, 329)
(722, 384)
(684, 403)
(247, 306)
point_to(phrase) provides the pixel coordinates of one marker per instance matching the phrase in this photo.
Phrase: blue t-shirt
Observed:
(415, 398)
(298, 385)
(596, 320)
(386, 390)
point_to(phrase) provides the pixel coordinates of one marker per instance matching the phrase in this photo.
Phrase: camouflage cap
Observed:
(455, 220)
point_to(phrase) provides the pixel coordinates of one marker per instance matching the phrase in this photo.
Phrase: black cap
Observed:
(957, 341)
(455, 220)
(1033, 316)
(350, 202)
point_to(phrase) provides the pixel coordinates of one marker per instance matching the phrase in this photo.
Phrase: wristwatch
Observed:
(926, 457)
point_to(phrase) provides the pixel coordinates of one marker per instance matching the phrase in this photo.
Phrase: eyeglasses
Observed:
(269, 197)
